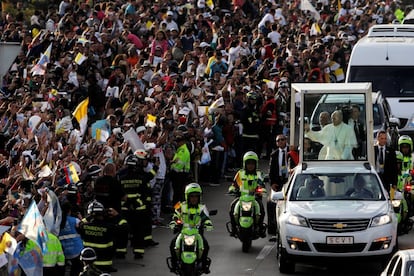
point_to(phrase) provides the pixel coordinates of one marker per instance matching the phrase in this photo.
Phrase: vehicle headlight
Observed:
(189, 240)
(246, 206)
(297, 220)
(396, 203)
(380, 220)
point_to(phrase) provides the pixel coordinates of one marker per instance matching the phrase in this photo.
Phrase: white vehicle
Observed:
(401, 264)
(384, 57)
(333, 208)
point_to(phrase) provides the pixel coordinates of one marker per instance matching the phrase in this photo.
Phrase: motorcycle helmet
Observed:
(252, 95)
(95, 207)
(399, 156)
(88, 254)
(131, 160)
(405, 140)
(192, 188)
(141, 154)
(250, 155)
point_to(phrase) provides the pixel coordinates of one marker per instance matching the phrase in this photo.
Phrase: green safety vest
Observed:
(181, 159)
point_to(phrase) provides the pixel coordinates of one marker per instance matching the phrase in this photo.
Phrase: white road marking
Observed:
(264, 252)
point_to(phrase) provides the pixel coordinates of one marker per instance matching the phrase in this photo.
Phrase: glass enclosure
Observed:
(335, 126)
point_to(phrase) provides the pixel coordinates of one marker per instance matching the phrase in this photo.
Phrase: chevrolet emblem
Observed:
(339, 225)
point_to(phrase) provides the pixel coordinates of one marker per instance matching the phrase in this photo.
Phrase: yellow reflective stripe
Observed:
(143, 207)
(122, 221)
(148, 198)
(133, 195)
(139, 251)
(153, 172)
(124, 208)
(98, 245)
(251, 136)
(102, 262)
(149, 237)
(121, 250)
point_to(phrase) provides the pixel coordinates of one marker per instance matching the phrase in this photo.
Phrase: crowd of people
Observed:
(198, 82)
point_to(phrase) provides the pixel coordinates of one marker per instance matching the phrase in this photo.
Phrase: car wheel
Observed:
(285, 265)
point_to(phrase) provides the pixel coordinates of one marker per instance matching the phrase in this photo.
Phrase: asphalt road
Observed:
(226, 253)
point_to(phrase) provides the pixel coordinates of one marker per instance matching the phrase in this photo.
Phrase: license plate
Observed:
(339, 240)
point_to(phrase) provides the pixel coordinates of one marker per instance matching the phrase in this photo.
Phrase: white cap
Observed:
(204, 44)
(170, 13)
(141, 129)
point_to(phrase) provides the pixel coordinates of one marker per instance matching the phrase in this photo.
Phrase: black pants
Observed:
(137, 220)
(267, 139)
(179, 180)
(216, 165)
(250, 144)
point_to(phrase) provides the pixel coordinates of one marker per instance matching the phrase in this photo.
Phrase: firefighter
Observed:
(99, 234)
(137, 208)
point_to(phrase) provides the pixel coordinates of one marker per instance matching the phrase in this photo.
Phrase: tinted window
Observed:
(410, 268)
(396, 81)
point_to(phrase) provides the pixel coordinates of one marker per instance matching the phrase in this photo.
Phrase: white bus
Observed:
(385, 57)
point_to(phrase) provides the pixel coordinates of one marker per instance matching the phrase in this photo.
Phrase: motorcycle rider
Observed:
(402, 178)
(246, 181)
(137, 208)
(405, 145)
(192, 213)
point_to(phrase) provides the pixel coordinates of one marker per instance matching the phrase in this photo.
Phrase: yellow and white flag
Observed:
(210, 4)
(81, 115)
(80, 58)
(151, 120)
(217, 103)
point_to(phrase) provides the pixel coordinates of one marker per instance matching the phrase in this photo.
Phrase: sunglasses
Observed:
(281, 139)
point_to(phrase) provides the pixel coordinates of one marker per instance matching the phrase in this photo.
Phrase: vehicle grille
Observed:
(339, 226)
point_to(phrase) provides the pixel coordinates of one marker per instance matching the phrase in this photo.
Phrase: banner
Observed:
(33, 228)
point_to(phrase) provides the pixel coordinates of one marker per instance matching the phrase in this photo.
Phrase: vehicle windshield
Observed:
(395, 81)
(336, 186)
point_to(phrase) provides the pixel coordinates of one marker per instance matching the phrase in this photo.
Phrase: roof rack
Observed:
(391, 30)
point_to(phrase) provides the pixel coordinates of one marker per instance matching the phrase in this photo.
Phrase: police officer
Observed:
(137, 208)
(180, 168)
(99, 234)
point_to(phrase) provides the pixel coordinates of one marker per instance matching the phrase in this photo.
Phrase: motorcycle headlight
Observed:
(189, 240)
(246, 206)
(396, 203)
(297, 220)
(381, 220)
